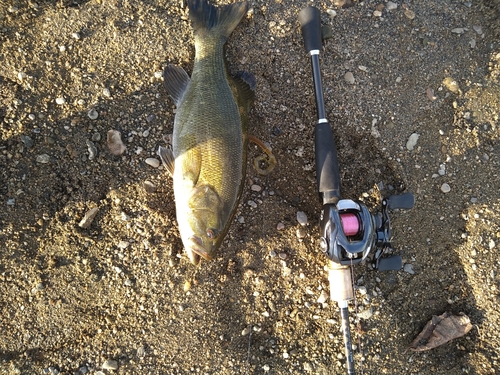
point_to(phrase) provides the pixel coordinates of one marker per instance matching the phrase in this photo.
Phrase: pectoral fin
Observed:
(167, 158)
(176, 81)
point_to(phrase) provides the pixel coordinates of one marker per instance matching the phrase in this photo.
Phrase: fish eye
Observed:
(211, 233)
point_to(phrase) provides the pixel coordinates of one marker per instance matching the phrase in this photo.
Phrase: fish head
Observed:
(201, 225)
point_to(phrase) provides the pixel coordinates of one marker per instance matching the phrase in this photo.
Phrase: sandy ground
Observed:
(121, 293)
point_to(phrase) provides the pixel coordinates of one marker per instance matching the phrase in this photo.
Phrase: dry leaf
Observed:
(441, 329)
(115, 143)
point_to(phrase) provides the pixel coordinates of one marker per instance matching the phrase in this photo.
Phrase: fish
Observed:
(208, 155)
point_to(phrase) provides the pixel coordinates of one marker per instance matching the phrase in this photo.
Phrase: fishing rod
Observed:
(349, 232)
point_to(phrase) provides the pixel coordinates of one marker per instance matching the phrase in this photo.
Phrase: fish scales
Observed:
(212, 118)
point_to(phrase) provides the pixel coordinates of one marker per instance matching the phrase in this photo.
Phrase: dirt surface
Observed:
(122, 290)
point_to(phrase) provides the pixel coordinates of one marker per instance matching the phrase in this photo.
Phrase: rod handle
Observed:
(310, 25)
(327, 165)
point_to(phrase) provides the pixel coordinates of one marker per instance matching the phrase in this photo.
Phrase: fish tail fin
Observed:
(207, 18)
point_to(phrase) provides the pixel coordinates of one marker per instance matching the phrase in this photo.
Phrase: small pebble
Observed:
(88, 218)
(391, 6)
(451, 84)
(377, 13)
(158, 74)
(60, 101)
(366, 314)
(331, 12)
(96, 137)
(280, 226)
(76, 36)
(141, 351)
(149, 187)
(246, 331)
(478, 29)
(155, 163)
(410, 14)
(408, 268)
(106, 92)
(255, 188)
(445, 188)
(349, 77)
(123, 244)
(145, 133)
(442, 169)
(282, 256)
(301, 232)
(412, 141)
(323, 297)
(28, 142)
(266, 368)
(491, 244)
(252, 204)
(92, 149)
(301, 217)
(21, 76)
(272, 254)
(92, 113)
(110, 364)
(43, 158)
(458, 30)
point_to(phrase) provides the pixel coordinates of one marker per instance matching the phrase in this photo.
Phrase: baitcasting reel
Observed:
(350, 232)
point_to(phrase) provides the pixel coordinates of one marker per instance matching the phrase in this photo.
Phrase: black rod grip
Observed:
(327, 165)
(310, 25)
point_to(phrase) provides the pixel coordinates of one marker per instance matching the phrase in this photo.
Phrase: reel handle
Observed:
(403, 201)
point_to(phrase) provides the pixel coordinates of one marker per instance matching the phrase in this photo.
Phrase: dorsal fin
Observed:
(176, 81)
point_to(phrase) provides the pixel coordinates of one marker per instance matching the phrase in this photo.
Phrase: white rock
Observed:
(377, 13)
(445, 188)
(88, 218)
(255, 187)
(280, 226)
(412, 141)
(408, 268)
(43, 158)
(60, 101)
(349, 78)
(391, 6)
(301, 218)
(331, 12)
(106, 92)
(246, 331)
(155, 163)
(92, 113)
(110, 364)
(323, 297)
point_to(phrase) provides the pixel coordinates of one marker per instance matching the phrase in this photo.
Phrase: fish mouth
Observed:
(196, 250)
